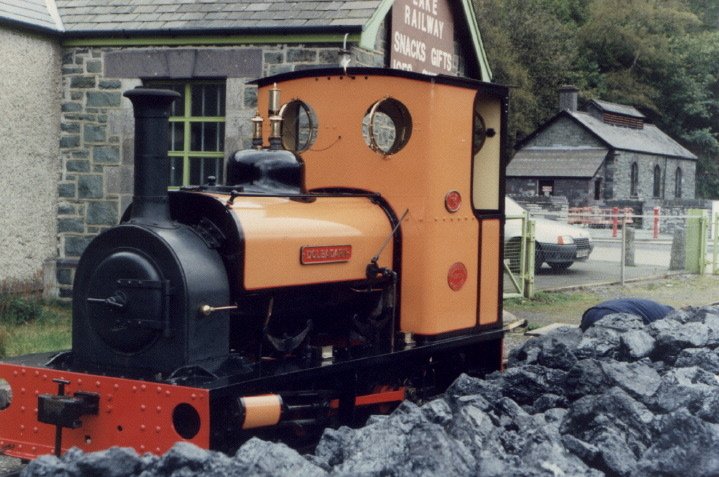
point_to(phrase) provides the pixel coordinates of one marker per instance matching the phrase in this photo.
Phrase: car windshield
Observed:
(512, 208)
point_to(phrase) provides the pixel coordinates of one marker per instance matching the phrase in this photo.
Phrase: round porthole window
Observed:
(480, 132)
(387, 126)
(299, 126)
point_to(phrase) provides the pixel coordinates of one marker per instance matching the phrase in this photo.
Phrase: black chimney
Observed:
(152, 112)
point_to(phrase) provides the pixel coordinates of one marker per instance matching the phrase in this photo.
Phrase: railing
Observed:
(625, 247)
(518, 260)
(600, 217)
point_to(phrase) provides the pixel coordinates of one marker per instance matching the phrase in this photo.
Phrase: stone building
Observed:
(606, 155)
(30, 84)
(68, 155)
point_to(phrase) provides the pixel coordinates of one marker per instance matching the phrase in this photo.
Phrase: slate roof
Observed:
(649, 139)
(87, 16)
(88, 19)
(159, 15)
(618, 108)
(33, 14)
(556, 162)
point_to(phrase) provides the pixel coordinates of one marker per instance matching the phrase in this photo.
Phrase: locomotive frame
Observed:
(336, 269)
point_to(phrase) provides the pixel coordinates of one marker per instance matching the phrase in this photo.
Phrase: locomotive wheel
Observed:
(475, 361)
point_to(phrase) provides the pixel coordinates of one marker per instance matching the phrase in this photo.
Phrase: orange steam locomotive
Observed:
(352, 254)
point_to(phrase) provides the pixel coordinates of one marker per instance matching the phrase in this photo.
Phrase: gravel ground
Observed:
(678, 291)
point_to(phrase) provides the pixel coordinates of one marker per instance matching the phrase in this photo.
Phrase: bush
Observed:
(15, 310)
(3, 342)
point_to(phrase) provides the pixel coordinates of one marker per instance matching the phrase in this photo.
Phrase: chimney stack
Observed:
(152, 111)
(568, 95)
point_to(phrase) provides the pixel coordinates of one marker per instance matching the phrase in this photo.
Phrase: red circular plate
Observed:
(457, 276)
(453, 201)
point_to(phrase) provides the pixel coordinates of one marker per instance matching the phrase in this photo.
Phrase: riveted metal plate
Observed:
(131, 413)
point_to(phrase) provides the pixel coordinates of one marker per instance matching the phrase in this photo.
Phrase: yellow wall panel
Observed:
(490, 248)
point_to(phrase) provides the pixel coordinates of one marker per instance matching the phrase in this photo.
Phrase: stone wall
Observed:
(575, 191)
(91, 144)
(646, 164)
(672, 213)
(548, 207)
(565, 132)
(521, 186)
(30, 105)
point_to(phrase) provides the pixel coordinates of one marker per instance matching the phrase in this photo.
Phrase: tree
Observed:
(661, 56)
(531, 50)
(628, 42)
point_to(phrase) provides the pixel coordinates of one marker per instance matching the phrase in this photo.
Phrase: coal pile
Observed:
(622, 398)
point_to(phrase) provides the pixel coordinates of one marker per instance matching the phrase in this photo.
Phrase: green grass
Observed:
(545, 307)
(550, 300)
(568, 306)
(31, 325)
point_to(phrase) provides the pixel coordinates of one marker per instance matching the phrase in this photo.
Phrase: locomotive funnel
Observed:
(152, 110)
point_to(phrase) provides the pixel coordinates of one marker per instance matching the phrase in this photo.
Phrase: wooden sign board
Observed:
(422, 36)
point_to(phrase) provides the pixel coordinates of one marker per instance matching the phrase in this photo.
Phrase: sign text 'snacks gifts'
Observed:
(422, 36)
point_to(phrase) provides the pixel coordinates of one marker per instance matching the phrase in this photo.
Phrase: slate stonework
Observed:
(565, 133)
(87, 154)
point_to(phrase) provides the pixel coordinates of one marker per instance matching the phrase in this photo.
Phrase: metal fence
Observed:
(624, 247)
(518, 256)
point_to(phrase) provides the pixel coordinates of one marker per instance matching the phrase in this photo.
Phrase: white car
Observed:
(557, 244)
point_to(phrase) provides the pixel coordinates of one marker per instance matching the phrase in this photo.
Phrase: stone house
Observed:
(30, 85)
(606, 155)
(67, 130)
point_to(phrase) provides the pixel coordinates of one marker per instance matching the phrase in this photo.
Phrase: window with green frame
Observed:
(197, 131)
